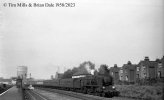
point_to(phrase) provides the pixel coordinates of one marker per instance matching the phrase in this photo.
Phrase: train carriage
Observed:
(96, 85)
(77, 83)
(66, 83)
(51, 83)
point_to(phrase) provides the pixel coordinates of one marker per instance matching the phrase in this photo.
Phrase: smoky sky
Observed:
(101, 31)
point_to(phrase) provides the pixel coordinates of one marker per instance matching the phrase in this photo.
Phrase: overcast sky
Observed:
(101, 31)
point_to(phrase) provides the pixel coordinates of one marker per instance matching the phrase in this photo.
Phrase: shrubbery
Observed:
(4, 87)
(141, 92)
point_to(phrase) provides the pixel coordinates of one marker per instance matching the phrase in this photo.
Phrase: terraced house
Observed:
(114, 71)
(145, 69)
(160, 68)
(129, 72)
(148, 69)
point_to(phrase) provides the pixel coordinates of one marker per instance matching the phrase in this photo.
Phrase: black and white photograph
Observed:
(81, 49)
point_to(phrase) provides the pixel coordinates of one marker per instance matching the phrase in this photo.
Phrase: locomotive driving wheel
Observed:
(85, 90)
(97, 93)
(89, 91)
(103, 94)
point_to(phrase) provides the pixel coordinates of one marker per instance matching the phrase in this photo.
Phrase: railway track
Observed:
(82, 96)
(54, 94)
(76, 95)
(32, 95)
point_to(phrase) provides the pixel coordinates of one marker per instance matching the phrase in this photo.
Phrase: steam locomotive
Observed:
(95, 85)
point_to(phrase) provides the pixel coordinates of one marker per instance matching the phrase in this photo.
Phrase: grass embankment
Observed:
(141, 92)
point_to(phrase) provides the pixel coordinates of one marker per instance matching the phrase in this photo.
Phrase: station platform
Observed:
(12, 94)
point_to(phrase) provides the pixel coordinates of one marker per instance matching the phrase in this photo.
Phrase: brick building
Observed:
(129, 72)
(114, 71)
(121, 74)
(160, 67)
(138, 72)
(144, 69)
(147, 68)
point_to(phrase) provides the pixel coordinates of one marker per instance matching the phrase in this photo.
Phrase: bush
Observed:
(141, 92)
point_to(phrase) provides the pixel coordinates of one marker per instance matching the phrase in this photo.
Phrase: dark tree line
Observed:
(103, 70)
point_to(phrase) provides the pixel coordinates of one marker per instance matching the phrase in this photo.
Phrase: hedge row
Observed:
(141, 92)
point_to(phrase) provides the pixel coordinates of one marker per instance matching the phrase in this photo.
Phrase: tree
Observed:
(87, 63)
(103, 70)
(74, 70)
(95, 72)
(67, 74)
(84, 67)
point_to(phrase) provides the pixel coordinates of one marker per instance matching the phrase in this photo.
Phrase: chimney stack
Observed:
(146, 58)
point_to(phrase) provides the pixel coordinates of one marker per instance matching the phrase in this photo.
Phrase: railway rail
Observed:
(32, 95)
(37, 94)
(76, 95)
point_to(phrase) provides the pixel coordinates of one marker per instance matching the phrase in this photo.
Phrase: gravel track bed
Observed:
(82, 96)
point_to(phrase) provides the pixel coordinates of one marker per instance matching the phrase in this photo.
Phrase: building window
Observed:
(126, 77)
(138, 69)
(121, 71)
(120, 77)
(144, 75)
(143, 68)
(125, 71)
(159, 74)
(159, 65)
(137, 76)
